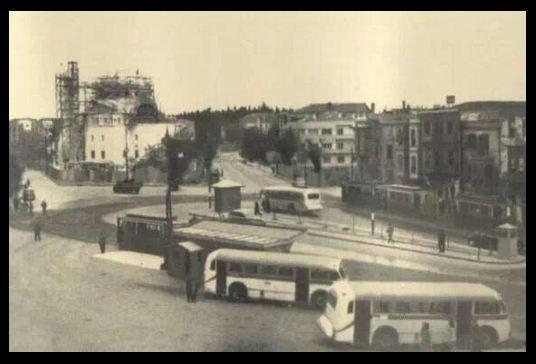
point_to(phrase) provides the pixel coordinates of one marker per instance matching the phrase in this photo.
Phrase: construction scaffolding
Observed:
(68, 92)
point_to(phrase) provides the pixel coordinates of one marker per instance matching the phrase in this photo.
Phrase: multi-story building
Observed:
(354, 111)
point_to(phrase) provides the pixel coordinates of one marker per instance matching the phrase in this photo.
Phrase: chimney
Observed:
(373, 107)
(404, 105)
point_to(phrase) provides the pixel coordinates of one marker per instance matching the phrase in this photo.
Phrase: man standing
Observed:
(372, 223)
(37, 231)
(102, 242)
(476, 336)
(189, 287)
(390, 232)
(257, 209)
(44, 207)
(426, 337)
(441, 238)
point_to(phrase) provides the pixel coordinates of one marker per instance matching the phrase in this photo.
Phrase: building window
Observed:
(326, 131)
(341, 159)
(102, 137)
(92, 138)
(471, 141)
(413, 137)
(136, 154)
(327, 145)
(92, 154)
(136, 137)
(427, 128)
(340, 131)
(340, 146)
(326, 159)
(450, 127)
(389, 151)
(103, 154)
(413, 164)
(452, 160)
(400, 162)
(483, 144)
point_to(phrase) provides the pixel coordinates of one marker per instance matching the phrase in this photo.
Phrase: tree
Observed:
(16, 170)
(254, 145)
(314, 153)
(287, 146)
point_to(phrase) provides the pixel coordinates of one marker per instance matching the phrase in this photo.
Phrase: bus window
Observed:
(332, 299)
(250, 268)
(402, 307)
(319, 275)
(235, 267)
(286, 272)
(342, 272)
(502, 307)
(487, 308)
(382, 307)
(333, 276)
(351, 307)
(313, 196)
(213, 265)
(268, 270)
(441, 307)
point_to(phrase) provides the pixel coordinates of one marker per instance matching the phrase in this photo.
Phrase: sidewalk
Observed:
(484, 259)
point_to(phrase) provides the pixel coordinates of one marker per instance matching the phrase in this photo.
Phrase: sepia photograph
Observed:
(267, 181)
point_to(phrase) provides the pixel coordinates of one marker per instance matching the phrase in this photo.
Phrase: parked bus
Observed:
(291, 199)
(386, 314)
(245, 274)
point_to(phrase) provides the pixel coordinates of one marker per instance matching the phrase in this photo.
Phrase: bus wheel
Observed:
(291, 208)
(385, 338)
(319, 299)
(489, 337)
(238, 292)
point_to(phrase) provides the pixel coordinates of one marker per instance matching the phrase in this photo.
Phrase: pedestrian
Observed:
(390, 232)
(27, 184)
(372, 223)
(452, 336)
(476, 336)
(257, 209)
(426, 337)
(189, 287)
(441, 238)
(194, 290)
(30, 208)
(37, 231)
(102, 242)
(44, 207)
(16, 203)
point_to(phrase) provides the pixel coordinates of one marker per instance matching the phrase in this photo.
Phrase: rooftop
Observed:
(355, 107)
(240, 235)
(421, 290)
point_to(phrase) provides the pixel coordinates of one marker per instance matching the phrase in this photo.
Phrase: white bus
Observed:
(246, 274)
(291, 199)
(386, 314)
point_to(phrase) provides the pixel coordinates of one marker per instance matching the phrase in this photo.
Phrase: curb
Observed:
(311, 232)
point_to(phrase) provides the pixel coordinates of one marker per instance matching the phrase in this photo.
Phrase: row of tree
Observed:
(284, 143)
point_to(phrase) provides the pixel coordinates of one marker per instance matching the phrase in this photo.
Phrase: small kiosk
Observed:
(227, 196)
(507, 238)
(186, 258)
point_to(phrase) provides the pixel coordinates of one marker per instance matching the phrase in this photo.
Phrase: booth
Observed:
(227, 196)
(507, 238)
(186, 258)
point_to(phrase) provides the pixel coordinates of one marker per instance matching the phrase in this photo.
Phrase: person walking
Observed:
(44, 207)
(390, 231)
(37, 231)
(257, 209)
(441, 238)
(16, 203)
(426, 337)
(30, 208)
(372, 223)
(452, 336)
(476, 336)
(189, 287)
(102, 242)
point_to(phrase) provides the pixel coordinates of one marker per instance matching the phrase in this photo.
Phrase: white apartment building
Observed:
(107, 136)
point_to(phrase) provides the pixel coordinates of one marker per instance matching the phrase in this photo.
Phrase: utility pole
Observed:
(169, 213)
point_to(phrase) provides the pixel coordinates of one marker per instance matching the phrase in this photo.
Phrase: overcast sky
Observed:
(200, 60)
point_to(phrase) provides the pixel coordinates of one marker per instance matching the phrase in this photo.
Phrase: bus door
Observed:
(302, 286)
(463, 323)
(362, 322)
(221, 278)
